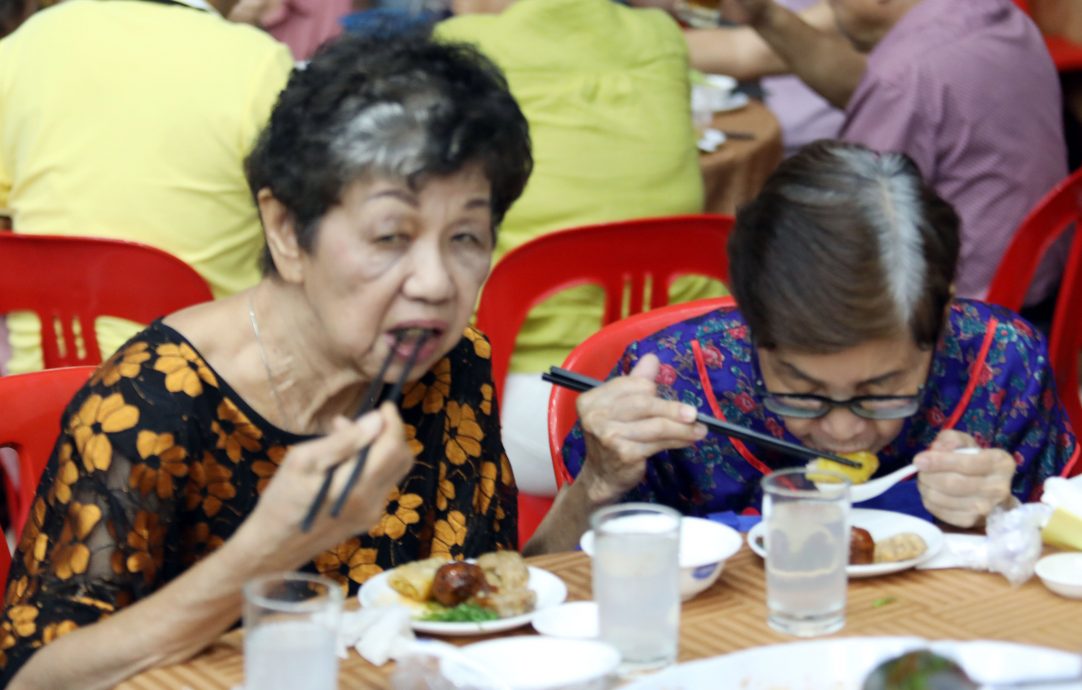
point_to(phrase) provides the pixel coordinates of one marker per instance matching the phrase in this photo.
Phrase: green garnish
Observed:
(463, 613)
(882, 601)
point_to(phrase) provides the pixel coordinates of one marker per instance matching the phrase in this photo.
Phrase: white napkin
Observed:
(378, 634)
(959, 551)
(1063, 523)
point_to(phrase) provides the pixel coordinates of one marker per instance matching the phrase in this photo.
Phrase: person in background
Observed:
(305, 25)
(155, 153)
(187, 463)
(605, 89)
(847, 338)
(967, 90)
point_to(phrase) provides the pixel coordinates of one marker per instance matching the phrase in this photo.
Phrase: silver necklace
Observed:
(266, 363)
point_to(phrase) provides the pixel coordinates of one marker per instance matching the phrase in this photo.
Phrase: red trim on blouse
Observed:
(1069, 468)
(974, 374)
(712, 400)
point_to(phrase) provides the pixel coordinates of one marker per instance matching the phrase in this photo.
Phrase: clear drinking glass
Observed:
(806, 513)
(290, 629)
(636, 579)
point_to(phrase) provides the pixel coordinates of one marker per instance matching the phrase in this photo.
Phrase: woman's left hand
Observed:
(961, 489)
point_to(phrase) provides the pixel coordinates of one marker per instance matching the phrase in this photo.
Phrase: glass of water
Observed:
(290, 630)
(636, 579)
(806, 514)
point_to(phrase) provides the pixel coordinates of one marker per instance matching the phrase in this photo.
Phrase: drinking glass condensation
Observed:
(290, 630)
(636, 579)
(806, 514)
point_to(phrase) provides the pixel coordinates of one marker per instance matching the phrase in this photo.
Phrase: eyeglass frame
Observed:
(852, 404)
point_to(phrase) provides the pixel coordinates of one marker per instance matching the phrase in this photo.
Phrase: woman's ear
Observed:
(281, 231)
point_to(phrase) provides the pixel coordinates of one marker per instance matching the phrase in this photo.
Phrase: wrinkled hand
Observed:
(745, 11)
(624, 422)
(962, 489)
(277, 517)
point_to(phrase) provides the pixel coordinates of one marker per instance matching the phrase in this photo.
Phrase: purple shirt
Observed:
(967, 89)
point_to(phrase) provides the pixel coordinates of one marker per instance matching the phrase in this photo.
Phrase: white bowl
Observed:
(545, 663)
(576, 619)
(1062, 573)
(704, 547)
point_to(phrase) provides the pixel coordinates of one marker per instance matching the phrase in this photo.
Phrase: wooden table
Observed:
(735, 173)
(731, 615)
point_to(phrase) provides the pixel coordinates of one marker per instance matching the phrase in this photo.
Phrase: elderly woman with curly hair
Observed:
(187, 463)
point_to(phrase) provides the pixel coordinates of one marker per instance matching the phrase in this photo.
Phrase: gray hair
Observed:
(844, 245)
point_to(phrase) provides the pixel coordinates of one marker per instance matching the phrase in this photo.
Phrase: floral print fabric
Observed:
(159, 461)
(1014, 406)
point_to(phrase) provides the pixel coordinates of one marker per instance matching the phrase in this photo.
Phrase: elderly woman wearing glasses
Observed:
(847, 339)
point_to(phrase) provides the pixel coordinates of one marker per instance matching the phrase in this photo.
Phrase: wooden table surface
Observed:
(731, 615)
(735, 173)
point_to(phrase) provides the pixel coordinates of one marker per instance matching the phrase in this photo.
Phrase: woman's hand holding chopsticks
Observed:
(273, 535)
(624, 423)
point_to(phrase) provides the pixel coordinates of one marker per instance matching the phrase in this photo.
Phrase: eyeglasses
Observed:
(810, 406)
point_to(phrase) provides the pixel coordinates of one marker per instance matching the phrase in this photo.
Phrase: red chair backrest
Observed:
(68, 281)
(596, 357)
(1057, 213)
(636, 256)
(33, 404)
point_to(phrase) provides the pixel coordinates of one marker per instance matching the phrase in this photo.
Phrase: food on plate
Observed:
(869, 463)
(414, 580)
(496, 586)
(899, 547)
(918, 670)
(861, 546)
(456, 582)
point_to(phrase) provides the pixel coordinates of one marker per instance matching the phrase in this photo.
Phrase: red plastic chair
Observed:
(68, 281)
(596, 357)
(1066, 55)
(5, 566)
(636, 257)
(33, 405)
(1060, 210)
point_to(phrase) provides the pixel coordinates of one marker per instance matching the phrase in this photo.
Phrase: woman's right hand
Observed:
(274, 525)
(624, 423)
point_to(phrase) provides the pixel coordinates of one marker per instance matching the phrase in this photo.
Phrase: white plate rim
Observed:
(778, 665)
(869, 517)
(551, 591)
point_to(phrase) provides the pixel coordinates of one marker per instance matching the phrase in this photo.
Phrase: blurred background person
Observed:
(967, 90)
(606, 92)
(112, 124)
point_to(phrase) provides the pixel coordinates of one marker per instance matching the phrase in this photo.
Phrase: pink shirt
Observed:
(304, 25)
(966, 88)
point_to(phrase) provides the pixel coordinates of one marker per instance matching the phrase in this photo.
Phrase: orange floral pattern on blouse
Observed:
(160, 462)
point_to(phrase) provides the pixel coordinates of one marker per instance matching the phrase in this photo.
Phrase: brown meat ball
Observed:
(861, 547)
(456, 582)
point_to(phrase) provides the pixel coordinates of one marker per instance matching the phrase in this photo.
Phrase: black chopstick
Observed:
(393, 396)
(578, 382)
(369, 401)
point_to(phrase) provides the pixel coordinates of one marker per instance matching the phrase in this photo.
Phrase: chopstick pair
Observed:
(578, 382)
(371, 396)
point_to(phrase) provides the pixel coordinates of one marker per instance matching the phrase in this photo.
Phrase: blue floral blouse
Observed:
(990, 377)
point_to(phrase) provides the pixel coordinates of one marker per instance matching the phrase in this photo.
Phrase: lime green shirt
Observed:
(605, 90)
(131, 120)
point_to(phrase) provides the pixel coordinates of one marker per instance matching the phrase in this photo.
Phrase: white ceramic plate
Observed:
(577, 619)
(880, 524)
(551, 591)
(843, 663)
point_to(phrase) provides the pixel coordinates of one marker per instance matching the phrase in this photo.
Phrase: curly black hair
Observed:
(405, 107)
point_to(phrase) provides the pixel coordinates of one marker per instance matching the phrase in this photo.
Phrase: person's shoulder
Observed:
(971, 321)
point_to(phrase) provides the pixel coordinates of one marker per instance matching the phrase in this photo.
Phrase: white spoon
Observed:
(869, 490)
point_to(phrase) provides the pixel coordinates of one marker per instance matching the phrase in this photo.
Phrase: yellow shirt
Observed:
(605, 90)
(131, 120)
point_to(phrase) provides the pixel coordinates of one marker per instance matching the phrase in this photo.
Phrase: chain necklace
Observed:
(266, 363)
